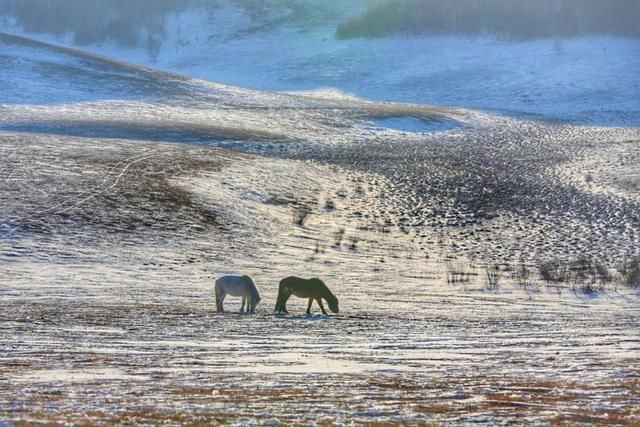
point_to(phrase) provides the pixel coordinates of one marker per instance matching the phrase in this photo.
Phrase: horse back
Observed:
(296, 279)
(304, 287)
(235, 282)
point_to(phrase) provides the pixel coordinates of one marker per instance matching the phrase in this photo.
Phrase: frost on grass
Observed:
(109, 248)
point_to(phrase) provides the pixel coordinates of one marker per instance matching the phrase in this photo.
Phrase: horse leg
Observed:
(281, 306)
(321, 306)
(244, 299)
(309, 306)
(217, 299)
(223, 294)
(284, 303)
(281, 302)
(283, 296)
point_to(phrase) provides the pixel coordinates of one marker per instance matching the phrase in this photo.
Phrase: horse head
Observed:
(255, 300)
(333, 302)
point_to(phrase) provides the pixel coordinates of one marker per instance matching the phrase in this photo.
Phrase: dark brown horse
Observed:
(314, 289)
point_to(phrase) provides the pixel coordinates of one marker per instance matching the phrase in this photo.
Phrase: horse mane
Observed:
(330, 296)
(254, 289)
(331, 299)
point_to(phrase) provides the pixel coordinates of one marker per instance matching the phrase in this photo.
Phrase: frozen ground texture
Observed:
(113, 225)
(291, 45)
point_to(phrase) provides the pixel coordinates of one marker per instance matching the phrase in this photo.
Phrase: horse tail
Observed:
(279, 298)
(280, 301)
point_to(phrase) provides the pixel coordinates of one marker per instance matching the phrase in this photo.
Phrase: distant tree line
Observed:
(127, 22)
(511, 18)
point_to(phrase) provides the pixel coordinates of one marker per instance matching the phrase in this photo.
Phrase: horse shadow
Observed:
(303, 317)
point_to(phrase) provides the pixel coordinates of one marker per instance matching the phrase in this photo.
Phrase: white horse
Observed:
(237, 286)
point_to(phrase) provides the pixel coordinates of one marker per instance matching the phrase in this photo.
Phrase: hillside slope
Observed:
(291, 45)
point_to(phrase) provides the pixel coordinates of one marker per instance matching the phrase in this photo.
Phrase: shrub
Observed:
(301, 214)
(493, 276)
(587, 272)
(513, 18)
(459, 272)
(354, 243)
(329, 205)
(522, 277)
(339, 235)
(125, 22)
(629, 271)
(554, 272)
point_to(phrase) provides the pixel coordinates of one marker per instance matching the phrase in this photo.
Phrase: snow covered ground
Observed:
(291, 45)
(107, 309)
(590, 80)
(113, 226)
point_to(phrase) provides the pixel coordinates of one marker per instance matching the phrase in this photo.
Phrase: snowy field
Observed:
(125, 191)
(587, 80)
(291, 46)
